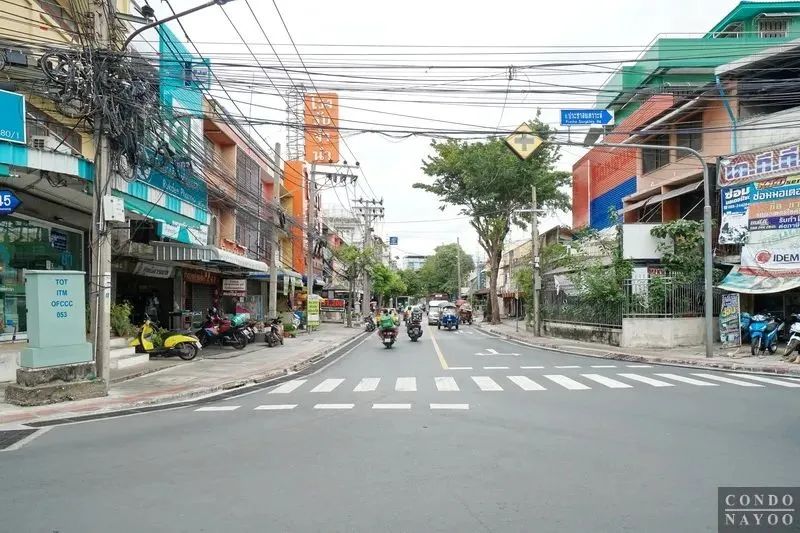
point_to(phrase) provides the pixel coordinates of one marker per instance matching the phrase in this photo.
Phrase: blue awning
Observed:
(170, 224)
(281, 274)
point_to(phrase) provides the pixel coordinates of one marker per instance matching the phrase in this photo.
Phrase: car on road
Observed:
(433, 311)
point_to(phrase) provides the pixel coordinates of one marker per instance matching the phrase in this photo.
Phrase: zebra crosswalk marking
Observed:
(771, 381)
(328, 385)
(567, 383)
(406, 385)
(287, 387)
(649, 381)
(486, 383)
(526, 383)
(367, 385)
(446, 384)
(690, 381)
(608, 382)
(723, 379)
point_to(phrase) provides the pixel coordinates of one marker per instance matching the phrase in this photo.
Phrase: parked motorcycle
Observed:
(745, 327)
(369, 324)
(274, 336)
(764, 331)
(174, 343)
(794, 340)
(222, 331)
(388, 336)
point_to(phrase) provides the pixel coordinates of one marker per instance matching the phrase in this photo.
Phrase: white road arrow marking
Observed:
(492, 351)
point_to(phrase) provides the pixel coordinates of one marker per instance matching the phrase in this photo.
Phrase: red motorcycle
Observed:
(222, 331)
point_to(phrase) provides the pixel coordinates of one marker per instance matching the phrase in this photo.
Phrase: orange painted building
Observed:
(295, 183)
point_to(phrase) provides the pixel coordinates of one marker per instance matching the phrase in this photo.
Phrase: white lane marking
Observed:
(25, 440)
(567, 366)
(762, 379)
(495, 368)
(334, 406)
(276, 407)
(367, 385)
(219, 408)
(459, 406)
(459, 368)
(723, 379)
(690, 381)
(287, 387)
(639, 366)
(526, 383)
(567, 383)
(486, 383)
(406, 385)
(492, 351)
(446, 383)
(649, 381)
(391, 406)
(328, 385)
(531, 367)
(604, 366)
(608, 382)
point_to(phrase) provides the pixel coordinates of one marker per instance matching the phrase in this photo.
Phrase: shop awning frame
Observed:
(204, 256)
(680, 191)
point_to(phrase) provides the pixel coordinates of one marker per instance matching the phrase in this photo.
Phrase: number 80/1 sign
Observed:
(8, 202)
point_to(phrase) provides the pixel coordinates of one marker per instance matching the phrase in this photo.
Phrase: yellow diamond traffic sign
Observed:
(523, 142)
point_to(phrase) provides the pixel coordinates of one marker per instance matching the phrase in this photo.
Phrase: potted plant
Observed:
(289, 330)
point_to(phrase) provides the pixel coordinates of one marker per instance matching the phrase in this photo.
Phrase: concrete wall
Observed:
(755, 133)
(579, 332)
(9, 362)
(661, 332)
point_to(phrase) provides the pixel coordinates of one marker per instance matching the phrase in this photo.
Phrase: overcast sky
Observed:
(392, 165)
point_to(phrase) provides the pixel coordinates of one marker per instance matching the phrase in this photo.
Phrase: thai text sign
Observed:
(234, 287)
(742, 168)
(321, 120)
(772, 204)
(730, 331)
(331, 305)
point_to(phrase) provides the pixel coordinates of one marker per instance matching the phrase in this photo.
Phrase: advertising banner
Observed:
(234, 287)
(312, 307)
(773, 162)
(766, 205)
(332, 305)
(321, 120)
(730, 331)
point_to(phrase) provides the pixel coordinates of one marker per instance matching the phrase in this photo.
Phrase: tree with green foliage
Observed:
(682, 249)
(386, 283)
(355, 262)
(490, 184)
(440, 271)
(413, 282)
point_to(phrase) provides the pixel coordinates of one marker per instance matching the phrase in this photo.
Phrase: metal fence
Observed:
(559, 306)
(657, 297)
(662, 297)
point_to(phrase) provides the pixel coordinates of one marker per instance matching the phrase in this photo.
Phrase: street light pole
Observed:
(708, 267)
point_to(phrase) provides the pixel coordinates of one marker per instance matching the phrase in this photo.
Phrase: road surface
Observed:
(459, 432)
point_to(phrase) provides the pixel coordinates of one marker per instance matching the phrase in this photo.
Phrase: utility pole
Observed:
(458, 260)
(311, 228)
(273, 267)
(100, 238)
(370, 210)
(535, 262)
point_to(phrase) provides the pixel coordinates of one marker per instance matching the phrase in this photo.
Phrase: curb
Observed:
(180, 398)
(667, 361)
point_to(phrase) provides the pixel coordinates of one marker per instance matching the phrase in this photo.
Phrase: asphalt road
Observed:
(508, 438)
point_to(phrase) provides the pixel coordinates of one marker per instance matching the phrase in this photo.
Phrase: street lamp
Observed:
(171, 17)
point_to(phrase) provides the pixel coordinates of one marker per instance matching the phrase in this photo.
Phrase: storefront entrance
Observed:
(146, 294)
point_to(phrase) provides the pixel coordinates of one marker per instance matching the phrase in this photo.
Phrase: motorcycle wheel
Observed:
(791, 347)
(239, 340)
(186, 351)
(772, 348)
(204, 339)
(456, 326)
(754, 345)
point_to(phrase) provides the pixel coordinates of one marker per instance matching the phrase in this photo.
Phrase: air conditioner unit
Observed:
(50, 143)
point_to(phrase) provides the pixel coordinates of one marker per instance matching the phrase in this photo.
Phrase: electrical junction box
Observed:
(114, 209)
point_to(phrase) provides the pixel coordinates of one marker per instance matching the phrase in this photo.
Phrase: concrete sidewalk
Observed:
(736, 358)
(173, 380)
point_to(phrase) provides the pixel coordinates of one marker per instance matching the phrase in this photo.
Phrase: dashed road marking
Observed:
(334, 406)
(276, 407)
(455, 406)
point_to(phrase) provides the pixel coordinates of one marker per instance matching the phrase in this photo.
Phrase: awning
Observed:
(170, 224)
(205, 256)
(281, 274)
(317, 282)
(739, 281)
(661, 197)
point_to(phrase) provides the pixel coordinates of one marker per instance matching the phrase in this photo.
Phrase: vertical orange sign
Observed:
(321, 118)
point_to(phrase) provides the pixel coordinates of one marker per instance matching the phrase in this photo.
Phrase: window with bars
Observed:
(689, 134)
(655, 158)
(773, 28)
(248, 180)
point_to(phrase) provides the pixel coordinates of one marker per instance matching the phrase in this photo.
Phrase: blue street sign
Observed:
(8, 202)
(12, 119)
(582, 117)
(393, 241)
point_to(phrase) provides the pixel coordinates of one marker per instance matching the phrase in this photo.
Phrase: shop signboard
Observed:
(234, 287)
(12, 120)
(58, 240)
(321, 120)
(761, 206)
(752, 166)
(730, 330)
(152, 270)
(313, 309)
(332, 305)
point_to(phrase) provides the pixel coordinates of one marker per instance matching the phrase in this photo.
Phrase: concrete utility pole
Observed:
(535, 263)
(100, 237)
(370, 211)
(273, 267)
(458, 261)
(312, 227)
